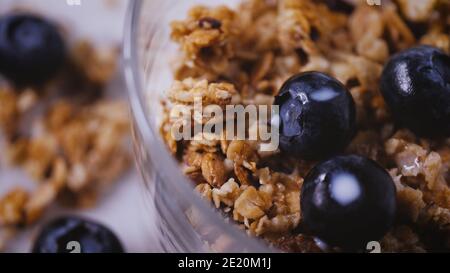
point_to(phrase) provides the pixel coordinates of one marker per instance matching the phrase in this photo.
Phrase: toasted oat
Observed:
(97, 64)
(399, 32)
(207, 36)
(12, 207)
(417, 10)
(297, 243)
(410, 201)
(242, 174)
(186, 91)
(9, 112)
(213, 169)
(240, 151)
(44, 196)
(251, 204)
(227, 194)
(40, 153)
(439, 40)
(402, 239)
(205, 191)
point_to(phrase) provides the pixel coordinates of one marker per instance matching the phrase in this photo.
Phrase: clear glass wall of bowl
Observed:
(185, 223)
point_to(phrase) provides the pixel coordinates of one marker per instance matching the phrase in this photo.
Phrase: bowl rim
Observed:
(147, 129)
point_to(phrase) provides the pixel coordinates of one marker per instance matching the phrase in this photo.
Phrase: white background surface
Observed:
(122, 207)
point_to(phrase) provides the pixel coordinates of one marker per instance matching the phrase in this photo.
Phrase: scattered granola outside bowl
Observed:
(243, 53)
(58, 124)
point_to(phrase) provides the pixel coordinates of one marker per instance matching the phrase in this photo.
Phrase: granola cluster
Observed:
(243, 55)
(66, 135)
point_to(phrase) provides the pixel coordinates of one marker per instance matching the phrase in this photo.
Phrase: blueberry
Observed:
(339, 5)
(92, 237)
(317, 116)
(348, 201)
(31, 49)
(416, 86)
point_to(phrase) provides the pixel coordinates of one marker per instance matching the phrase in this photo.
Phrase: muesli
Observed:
(242, 56)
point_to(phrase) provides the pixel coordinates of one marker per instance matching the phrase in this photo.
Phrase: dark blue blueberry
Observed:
(317, 116)
(31, 49)
(92, 237)
(416, 86)
(339, 5)
(348, 201)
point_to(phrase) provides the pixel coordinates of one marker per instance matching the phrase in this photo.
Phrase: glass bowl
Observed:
(184, 222)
